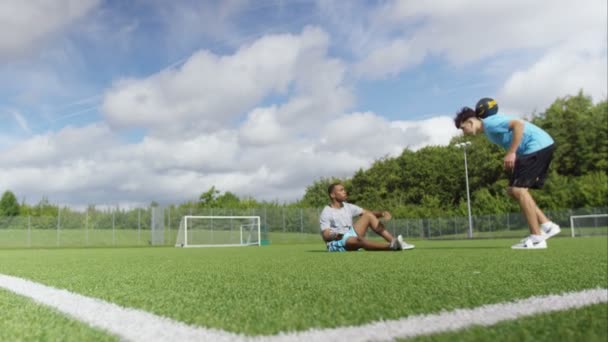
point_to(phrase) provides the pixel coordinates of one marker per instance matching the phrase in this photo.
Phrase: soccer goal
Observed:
(589, 225)
(218, 231)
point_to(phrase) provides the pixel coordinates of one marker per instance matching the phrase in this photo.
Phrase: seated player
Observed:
(339, 232)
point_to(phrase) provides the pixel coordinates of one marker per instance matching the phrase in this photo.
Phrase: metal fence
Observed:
(510, 225)
(158, 226)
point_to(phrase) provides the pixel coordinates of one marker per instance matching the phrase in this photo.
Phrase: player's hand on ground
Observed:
(510, 161)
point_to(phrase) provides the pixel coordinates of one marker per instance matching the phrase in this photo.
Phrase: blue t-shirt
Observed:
(496, 128)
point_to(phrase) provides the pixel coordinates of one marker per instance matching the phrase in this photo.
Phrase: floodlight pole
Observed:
(464, 145)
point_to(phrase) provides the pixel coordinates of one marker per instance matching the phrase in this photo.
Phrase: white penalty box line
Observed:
(138, 325)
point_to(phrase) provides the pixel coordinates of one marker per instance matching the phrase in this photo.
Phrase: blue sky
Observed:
(166, 99)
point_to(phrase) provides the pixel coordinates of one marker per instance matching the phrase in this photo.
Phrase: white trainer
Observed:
(395, 245)
(404, 245)
(528, 243)
(550, 231)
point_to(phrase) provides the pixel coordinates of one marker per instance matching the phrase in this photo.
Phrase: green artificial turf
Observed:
(589, 324)
(265, 290)
(23, 320)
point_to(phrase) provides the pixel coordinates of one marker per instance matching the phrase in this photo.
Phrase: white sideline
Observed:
(138, 325)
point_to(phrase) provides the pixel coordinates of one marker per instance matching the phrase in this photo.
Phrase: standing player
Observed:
(339, 232)
(529, 153)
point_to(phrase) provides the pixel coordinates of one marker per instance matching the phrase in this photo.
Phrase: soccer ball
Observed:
(486, 107)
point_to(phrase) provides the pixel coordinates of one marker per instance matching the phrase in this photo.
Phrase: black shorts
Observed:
(531, 169)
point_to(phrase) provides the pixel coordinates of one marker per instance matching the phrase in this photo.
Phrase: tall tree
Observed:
(8, 204)
(207, 198)
(577, 128)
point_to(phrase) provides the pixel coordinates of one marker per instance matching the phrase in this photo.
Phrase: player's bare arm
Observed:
(330, 235)
(517, 127)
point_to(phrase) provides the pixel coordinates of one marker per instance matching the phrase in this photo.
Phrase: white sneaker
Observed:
(528, 243)
(395, 245)
(404, 245)
(551, 231)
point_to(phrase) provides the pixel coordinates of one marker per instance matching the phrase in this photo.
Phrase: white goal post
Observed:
(219, 231)
(587, 225)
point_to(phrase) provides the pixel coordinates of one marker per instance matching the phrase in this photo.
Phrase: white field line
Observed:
(137, 325)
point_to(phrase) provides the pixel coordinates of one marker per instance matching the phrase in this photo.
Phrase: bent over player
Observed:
(529, 153)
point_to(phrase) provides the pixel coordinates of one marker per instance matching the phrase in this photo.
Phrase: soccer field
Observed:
(292, 288)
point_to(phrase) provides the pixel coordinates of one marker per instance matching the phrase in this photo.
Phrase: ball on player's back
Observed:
(486, 107)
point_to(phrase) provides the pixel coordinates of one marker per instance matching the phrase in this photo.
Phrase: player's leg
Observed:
(540, 216)
(541, 167)
(530, 173)
(370, 220)
(548, 227)
(355, 243)
(353, 240)
(528, 207)
(525, 175)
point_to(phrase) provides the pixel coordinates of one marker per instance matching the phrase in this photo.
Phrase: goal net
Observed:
(218, 231)
(589, 225)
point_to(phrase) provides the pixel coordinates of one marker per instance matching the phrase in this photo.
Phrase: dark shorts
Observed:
(531, 169)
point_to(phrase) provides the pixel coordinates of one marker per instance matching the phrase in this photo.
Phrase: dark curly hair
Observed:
(463, 115)
(331, 187)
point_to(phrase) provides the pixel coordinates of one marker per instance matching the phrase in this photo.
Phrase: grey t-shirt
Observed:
(339, 220)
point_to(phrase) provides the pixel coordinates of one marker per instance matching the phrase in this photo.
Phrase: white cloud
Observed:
(466, 31)
(26, 24)
(568, 37)
(561, 71)
(54, 148)
(363, 134)
(391, 59)
(214, 152)
(210, 91)
(436, 131)
(262, 128)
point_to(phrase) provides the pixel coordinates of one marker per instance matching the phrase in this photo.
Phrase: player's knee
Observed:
(368, 216)
(516, 192)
